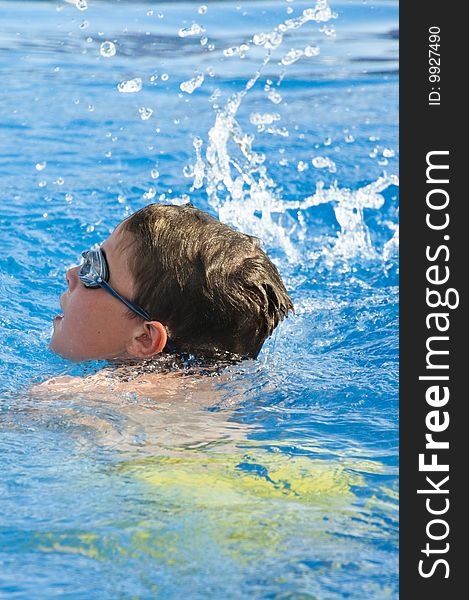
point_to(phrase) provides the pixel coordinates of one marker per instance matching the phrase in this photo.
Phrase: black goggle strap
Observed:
(136, 309)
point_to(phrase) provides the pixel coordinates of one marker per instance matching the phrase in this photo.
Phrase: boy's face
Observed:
(94, 324)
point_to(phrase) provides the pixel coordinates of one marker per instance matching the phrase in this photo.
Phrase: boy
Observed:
(170, 279)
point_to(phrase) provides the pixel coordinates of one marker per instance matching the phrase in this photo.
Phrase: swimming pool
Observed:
(277, 479)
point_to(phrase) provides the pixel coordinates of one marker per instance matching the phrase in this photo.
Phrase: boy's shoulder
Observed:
(102, 382)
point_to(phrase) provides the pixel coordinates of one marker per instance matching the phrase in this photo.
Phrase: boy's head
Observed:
(206, 288)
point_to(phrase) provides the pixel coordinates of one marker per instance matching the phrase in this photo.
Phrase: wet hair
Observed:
(214, 288)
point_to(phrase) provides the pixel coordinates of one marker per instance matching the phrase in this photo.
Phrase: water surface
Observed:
(277, 478)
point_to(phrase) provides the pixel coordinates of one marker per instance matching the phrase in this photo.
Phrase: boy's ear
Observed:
(148, 341)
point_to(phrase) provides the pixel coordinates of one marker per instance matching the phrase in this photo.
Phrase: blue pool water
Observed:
(278, 478)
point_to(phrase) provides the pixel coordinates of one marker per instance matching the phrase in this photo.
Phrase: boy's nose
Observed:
(71, 277)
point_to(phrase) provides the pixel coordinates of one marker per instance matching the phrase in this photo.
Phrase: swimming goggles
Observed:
(94, 273)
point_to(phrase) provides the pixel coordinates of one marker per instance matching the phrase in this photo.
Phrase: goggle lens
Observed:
(93, 268)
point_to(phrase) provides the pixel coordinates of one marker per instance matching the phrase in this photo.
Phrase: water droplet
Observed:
(302, 166)
(131, 86)
(40, 166)
(203, 40)
(160, 15)
(263, 118)
(154, 173)
(211, 47)
(45, 215)
(230, 51)
(327, 30)
(81, 4)
(328, 141)
(192, 84)
(202, 9)
(42, 183)
(90, 229)
(323, 162)
(145, 113)
(388, 152)
(165, 77)
(259, 39)
(90, 107)
(216, 94)
(274, 97)
(270, 40)
(291, 57)
(149, 194)
(68, 197)
(311, 51)
(349, 138)
(194, 29)
(289, 10)
(188, 171)
(121, 199)
(60, 181)
(107, 49)
(108, 154)
(282, 131)
(149, 13)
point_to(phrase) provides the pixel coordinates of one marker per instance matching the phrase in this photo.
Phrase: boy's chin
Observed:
(68, 354)
(56, 348)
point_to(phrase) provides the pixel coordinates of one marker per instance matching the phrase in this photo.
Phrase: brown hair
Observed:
(213, 287)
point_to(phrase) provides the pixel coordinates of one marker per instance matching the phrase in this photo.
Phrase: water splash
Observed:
(244, 194)
(349, 205)
(273, 39)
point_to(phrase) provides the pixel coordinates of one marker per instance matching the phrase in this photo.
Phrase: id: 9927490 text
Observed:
(434, 67)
